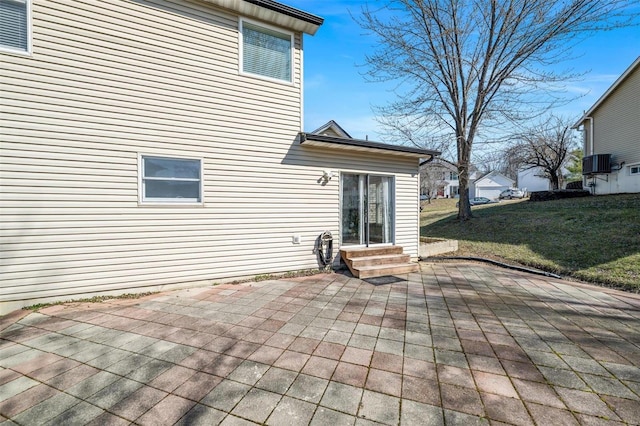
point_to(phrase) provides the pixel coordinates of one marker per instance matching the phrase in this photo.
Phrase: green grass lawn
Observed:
(595, 239)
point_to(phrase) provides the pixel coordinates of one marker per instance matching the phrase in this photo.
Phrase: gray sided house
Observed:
(155, 144)
(611, 129)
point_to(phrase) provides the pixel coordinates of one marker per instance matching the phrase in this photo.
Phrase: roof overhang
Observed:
(359, 145)
(606, 94)
(273, 12)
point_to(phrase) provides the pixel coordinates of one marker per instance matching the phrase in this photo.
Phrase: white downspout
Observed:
(591, 146)
(301, 76)
(590, 134)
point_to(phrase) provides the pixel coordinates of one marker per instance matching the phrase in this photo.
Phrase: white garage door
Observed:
(490, 192)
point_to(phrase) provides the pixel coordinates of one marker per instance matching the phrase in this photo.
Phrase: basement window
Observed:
(634, 170)
(170, 180)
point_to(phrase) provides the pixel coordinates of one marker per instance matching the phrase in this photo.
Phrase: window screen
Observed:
(171, 180)
(14, 24)
(266, 52)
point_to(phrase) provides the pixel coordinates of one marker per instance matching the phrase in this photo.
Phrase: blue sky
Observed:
(334, 87)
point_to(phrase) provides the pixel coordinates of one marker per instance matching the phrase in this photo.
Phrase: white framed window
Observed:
(634, 170)
(15, 26)
(170, 179)
(266, 52)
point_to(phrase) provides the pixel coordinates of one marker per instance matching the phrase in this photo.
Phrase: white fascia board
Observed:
(254, 11)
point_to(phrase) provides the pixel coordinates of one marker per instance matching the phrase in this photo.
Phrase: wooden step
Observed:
(384, 270)
(385, 259)
(350, 253)
(370, 262)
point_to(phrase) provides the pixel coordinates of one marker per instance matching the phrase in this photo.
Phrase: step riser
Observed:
(374, 262)
(359, 263)
(397, 270)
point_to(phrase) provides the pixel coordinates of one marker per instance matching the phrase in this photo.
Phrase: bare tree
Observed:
(432, 176)
(468, 66)
(547, 146)
(430, 181)
(505, 159)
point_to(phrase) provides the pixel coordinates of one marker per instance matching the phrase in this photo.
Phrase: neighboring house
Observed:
(332, 129)
(149, 145)
(491, 184)
(439, 178)
(473, 176)
(611, 129)
(532, 180)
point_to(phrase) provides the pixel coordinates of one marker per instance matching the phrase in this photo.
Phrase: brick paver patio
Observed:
(455, 344)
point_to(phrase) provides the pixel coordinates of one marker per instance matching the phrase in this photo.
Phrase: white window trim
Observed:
(167, 201)
(27, 52)
(241, 70)
(633, 166)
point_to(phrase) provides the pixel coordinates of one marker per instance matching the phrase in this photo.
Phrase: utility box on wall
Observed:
(596, 164)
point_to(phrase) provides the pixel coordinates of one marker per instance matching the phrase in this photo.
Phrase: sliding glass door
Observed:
(367, 215)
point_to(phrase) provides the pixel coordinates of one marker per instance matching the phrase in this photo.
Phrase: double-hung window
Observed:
(266, 52)
(15, 25)
(170, 180)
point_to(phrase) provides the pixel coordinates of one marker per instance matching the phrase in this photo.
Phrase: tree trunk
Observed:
(464, 208)
(555, 181)
(464, 157)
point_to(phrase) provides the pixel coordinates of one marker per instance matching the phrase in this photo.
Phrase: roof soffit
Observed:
(274, 13)
(332, 142)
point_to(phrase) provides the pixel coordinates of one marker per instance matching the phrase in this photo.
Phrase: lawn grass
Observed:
(594, 239)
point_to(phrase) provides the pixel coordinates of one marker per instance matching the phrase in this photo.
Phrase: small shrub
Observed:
(558, 194)
(264, 277)
(575, 185)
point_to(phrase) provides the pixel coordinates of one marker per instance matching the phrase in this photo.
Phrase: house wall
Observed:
(437, 174)
(616, 128)
(529, 181)
(491, 186)
(106, 84)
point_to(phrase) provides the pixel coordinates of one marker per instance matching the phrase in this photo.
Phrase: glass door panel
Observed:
(379, 209)
(352, 222)
(367, 209)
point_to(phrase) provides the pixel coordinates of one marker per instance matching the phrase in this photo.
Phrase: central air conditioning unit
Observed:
(596, 164)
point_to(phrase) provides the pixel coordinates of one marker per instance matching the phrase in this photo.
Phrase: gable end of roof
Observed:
(610, 90)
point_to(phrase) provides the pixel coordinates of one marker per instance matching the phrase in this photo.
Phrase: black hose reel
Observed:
(324, 249)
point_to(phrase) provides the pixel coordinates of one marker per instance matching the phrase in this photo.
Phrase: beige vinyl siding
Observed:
(616, 122)
(110, 81)
(616, 128)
